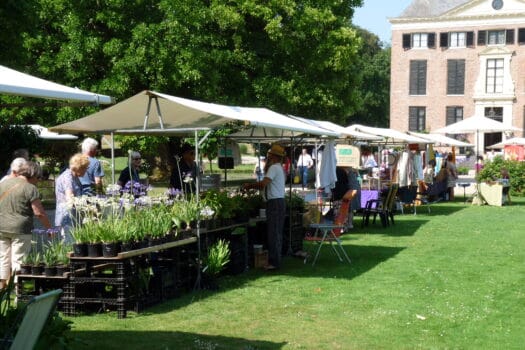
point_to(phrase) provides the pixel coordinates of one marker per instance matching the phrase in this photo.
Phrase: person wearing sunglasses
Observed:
(131, 172)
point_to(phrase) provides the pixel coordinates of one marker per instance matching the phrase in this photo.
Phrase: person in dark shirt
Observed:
(131, 172)
(184, 173)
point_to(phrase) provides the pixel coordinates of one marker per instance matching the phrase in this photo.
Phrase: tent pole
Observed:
(112, 157)
(198, 228)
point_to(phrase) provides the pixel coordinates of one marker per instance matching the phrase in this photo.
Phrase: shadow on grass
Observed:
(166, 340)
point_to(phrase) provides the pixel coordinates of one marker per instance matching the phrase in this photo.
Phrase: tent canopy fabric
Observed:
(441, 140)
(388, 135)
(517, 141)
(150, 112)
(16, 83)
(45, 134)
(344, 132)
(475, 124)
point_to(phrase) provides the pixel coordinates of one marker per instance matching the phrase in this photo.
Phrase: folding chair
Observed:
(407, 196)
(36, 314)
(330, 232)
(382, 207)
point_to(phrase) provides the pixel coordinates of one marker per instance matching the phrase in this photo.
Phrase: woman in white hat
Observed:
(273, 188)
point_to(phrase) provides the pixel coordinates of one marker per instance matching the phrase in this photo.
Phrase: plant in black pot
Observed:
(108, 233)
(216, 260)
(38, 267)
(49, 258)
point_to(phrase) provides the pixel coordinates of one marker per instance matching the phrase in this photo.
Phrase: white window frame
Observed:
(496, 37)
(419, 40)
(495, 75)
(458, 39)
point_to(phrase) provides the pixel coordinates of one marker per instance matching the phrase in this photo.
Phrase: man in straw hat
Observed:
(273, 188)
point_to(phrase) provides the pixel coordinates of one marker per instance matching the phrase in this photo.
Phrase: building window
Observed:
(454, 114)
(416, 118)
(455, 77)
(495, 113)
(494, 76)
(458, 39)
(418, 77)
(496, 37)
(419, 40)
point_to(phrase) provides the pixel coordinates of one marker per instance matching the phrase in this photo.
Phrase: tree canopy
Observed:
(300, 57)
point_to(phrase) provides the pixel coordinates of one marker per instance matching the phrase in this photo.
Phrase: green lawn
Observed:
(452, 279)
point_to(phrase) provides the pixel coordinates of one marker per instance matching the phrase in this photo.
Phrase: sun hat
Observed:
(277, 150)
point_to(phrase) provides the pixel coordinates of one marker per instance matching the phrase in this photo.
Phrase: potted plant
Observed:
(38, 267)
(49, 259)
(216, 260)
(108, 236)
(27, 262)
(62, 253)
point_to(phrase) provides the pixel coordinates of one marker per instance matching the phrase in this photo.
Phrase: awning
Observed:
(389, 135)
(150, 112)
(45, 134)
(441, 140)
(16, 83)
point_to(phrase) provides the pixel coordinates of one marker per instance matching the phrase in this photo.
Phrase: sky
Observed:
(373, 15)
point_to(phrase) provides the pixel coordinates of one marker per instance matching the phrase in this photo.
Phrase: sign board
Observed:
(348, 156)
(230, 150)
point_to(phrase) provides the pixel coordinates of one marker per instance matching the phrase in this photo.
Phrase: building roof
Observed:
(430, 8)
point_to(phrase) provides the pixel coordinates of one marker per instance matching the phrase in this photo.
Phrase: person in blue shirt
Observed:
(92, 179)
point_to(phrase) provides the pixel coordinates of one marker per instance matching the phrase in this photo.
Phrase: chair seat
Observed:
(327, 233)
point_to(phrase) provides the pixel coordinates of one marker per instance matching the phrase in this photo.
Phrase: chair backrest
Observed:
(37, 312)
(391, 197)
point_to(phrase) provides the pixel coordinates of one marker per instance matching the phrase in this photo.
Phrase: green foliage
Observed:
(15, 137)
(295, 201)
(218, 257)
(463, 170)
(492, 171)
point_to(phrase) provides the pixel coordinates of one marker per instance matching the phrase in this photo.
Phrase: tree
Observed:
(297, 57)
(374, 88)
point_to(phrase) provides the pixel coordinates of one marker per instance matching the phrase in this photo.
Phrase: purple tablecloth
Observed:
(366, 195)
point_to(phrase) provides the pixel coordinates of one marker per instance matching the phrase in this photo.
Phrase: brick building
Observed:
(452, 59)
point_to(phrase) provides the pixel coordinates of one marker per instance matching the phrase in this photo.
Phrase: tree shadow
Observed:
(164, 340)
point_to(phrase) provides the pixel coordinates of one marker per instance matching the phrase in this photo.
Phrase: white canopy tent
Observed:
(441, 140)
(515, 141)
(45, 134)
(476, 124)
(13, 82)
(343, 132)
(177, 115)
(389, 136)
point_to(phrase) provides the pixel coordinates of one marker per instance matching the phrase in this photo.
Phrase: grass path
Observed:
(452, 279)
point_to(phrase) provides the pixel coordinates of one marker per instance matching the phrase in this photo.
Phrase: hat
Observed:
(277, 150)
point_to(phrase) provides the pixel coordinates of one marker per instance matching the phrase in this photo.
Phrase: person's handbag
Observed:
(296, 179)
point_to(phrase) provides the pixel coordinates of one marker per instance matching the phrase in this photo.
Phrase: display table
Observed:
(367, 195)
(492, 193)
(127, 280)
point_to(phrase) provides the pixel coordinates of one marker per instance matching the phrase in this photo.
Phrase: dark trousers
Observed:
(275, 212)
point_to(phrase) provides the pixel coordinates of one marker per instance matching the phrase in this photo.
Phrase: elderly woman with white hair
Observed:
(16, 165)
(131, 172)
(19, 203)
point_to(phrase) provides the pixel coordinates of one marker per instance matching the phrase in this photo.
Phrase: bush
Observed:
(492, 171)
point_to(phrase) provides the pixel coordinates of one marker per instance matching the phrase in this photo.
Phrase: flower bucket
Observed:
(110, 249)
(50, 270)
(80, 249)
(37, 270)
(94, 250)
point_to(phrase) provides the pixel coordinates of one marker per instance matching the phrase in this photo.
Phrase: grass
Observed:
(450, 279)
